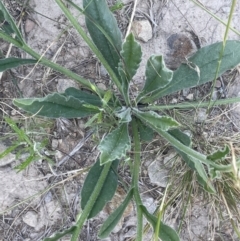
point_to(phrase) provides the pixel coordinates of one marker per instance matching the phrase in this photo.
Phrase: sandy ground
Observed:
(38, 201)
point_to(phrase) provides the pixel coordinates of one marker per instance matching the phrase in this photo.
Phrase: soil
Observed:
(40, 200)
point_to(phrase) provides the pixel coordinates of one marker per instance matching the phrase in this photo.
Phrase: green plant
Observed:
(131, 118)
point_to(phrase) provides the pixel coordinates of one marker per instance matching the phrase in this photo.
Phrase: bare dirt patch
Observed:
(40, 200)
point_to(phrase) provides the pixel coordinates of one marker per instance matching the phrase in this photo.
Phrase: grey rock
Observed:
(142, 30)
(31, 219)
(63, 84)
(158, 174)
(9, 158)
(201, 115)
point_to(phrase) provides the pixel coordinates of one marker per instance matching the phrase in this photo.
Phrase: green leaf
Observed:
(115, 144)
(193, 163)
(9, 150)
(98, 14)
(166, 233)
(151, 118)
(83, 96)
(107, 191)
(157, 77)
(146, 133)
(9, 63)
(218, 155)
(7, 25)
(201, 68)
(124, 114)
(26, 163)
(56, 105)
(114, 218)
(131, 57)
(59, 235)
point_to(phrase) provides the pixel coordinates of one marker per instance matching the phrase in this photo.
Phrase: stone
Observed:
(189, 96)
(54, 144)
(142, 30)
(63, 84)
(9, 158)
(103, 71)
(102, 86)
(201, 115)
(218, 84)
(31, 219)
(29, 26)
(158, 174)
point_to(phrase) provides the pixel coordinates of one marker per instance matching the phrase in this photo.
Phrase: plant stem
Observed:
(91, 201)
(223, 48)
(136, 171)
(44, 61)
(187, 105)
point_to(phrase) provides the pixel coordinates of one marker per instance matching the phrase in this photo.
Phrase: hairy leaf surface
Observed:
(107, 191)
(115, 144)
(115, 217)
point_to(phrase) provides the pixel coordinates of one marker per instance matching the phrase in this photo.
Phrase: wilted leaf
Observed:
(114, 218)
(193, 163)
(107, 191)
(115, 144)
(9, 63)
(218, 155)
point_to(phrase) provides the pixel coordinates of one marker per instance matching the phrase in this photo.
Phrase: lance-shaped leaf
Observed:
(157, 76)
(107, 191)
(201, 68)
(218, 155)
(115, 144)
(7, 25)
(193, 163)
(131, 57)
(58, 105)
(166, 233)
(115, 217)
(99, 15)
(59, 235)
(9, 63)
(152, 119)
